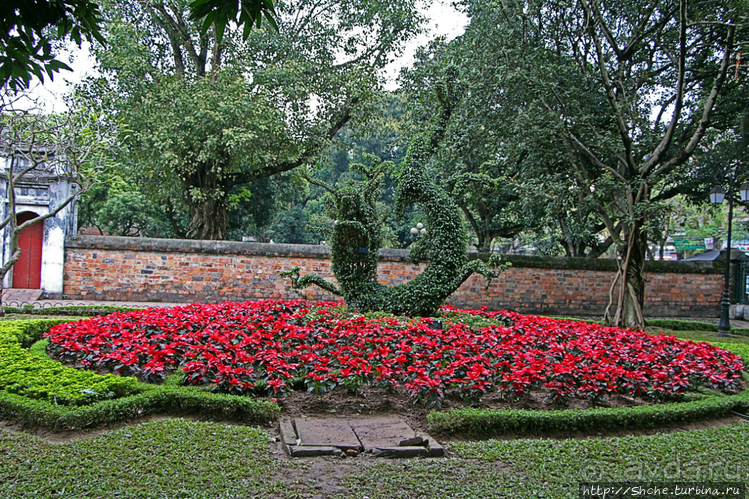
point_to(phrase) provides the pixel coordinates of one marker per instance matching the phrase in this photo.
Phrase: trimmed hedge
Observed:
(27, 373)
(603, 264)
(70, 310)
(153, 400)
(680, 325)
(39, 391)
(487, 422)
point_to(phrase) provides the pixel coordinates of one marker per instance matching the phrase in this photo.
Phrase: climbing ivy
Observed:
(355, 235)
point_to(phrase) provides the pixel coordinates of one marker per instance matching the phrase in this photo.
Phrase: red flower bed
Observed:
(274, 345)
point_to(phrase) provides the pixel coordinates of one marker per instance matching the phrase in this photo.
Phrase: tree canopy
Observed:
(209, 118)
(599, 108)
(30, 28)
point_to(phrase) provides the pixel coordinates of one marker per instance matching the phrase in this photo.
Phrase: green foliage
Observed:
(679, 325)
(150, 401)
(217, 14)
(68, 310)
(586, 122)
(209, 119)
(116, 208)
(28, 31)
(486, 423)
(38, 391)
(26, 373)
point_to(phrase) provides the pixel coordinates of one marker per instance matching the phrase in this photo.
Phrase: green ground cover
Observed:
(187, 459)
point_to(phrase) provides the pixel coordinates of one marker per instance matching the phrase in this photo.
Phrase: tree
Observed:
(75, 146)
(209, 118)
(502, 164)
(357, 143)
(114, 208)
(218, 13)
(622, 93)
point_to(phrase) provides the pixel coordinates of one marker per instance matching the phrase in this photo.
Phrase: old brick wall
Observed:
(142, 269)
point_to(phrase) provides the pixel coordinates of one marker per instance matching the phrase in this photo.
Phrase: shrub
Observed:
(27, 373)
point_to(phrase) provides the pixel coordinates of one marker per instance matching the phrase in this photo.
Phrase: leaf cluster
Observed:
(28, 30)
(217, 14)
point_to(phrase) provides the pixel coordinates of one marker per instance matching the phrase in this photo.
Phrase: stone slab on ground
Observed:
(288, 433)
(402, 452)
(435, 448)
(386, 436)
(385, 432)
(314, 451)
(326, 432)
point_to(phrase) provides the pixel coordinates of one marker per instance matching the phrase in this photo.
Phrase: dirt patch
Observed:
(372, 401)
(368, 401)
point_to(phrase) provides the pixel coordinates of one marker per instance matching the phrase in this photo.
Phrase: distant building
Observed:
(41, 265)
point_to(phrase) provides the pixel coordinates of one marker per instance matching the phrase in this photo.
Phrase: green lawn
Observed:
(179, 458)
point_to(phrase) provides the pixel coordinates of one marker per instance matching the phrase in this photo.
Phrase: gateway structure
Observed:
(37, 193)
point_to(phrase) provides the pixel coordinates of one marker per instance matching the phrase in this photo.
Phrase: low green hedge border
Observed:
(491, 423)
(36, 390)
(153, 400)
(70, 310)
(680, 325)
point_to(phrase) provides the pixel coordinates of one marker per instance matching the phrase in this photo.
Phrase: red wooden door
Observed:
(27, 272)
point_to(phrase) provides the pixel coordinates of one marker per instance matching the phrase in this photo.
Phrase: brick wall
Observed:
(142, 269)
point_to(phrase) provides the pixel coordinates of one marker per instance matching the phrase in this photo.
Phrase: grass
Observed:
(708, 336)
(179, 458)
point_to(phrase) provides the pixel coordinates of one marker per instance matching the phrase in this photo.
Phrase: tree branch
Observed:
(699, 132)
(676, 115)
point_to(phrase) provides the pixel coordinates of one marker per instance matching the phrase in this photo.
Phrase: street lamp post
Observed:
(717, 195)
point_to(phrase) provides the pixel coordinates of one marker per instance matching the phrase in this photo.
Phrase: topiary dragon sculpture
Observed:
(355, 239)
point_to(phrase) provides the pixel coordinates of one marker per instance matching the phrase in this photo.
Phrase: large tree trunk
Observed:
(208, 219)
(207, 200)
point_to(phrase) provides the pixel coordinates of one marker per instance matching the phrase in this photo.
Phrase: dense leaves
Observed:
(587, 116)
(27, 36)
(275, 345)
(28, 373)
(210, 117)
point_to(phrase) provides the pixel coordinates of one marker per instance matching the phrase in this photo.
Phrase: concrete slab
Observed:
(379, 436)
(401, 452)
(435, 448)
(326, 432)
(385, 432)
(288, 433)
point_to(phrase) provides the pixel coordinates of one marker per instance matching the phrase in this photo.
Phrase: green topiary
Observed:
(355, 238)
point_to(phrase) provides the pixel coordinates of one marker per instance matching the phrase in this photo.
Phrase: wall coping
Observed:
(323, 253)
